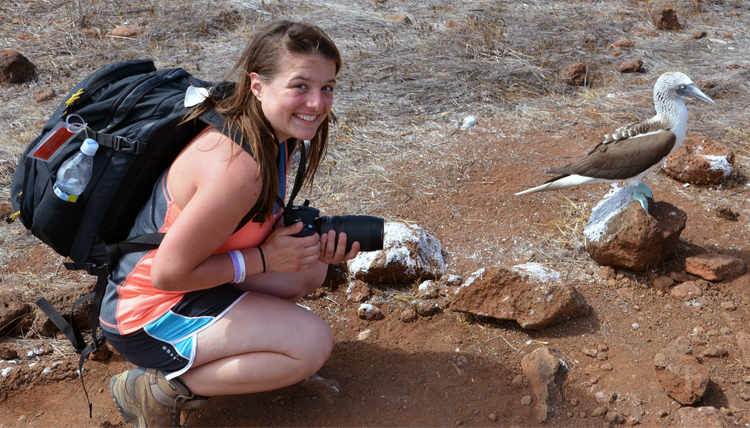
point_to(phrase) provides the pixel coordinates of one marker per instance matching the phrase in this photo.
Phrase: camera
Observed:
(367, 230)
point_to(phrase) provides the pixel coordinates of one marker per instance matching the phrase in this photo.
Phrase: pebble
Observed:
(599, 411)
(526, 400)
(607, 367)
(492, 417)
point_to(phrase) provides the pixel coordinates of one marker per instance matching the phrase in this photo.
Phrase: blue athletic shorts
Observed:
(169, 343)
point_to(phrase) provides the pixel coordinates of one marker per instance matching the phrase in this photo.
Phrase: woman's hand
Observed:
(333, 252)
(286, 253)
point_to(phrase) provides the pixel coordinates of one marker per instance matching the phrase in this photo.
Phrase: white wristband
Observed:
(238, 261)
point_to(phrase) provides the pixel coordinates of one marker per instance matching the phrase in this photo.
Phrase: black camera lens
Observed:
(367, 230)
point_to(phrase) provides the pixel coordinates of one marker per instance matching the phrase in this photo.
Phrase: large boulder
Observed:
(621, 234)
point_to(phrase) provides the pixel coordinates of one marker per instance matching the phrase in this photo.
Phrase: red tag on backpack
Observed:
(55, 140)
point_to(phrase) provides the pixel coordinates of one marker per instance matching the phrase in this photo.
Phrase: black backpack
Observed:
(135, 113)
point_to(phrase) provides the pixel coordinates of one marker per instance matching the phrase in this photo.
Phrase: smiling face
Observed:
(299, 97)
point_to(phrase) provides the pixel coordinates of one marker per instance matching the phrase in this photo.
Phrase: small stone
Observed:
(662, 283)
(602, 347)
(44, 94)
(607, 367)
(728, 306)
(526, 400)
(517, 381)
(631, 66)
(492, 417)
(575, 74)
(409, 315)
(590, 352)
(614, 417)
(599, 411)
(369, 312)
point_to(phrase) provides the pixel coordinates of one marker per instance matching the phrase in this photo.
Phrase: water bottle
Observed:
(75, 173)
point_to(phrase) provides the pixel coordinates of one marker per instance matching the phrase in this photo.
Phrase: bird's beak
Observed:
(692, 91)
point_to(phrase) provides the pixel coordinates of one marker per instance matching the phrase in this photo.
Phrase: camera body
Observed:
(367, 230)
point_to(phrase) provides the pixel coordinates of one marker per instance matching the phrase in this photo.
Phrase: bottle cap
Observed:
(89, 147)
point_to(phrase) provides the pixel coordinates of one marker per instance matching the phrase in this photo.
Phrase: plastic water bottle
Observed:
(74, 174)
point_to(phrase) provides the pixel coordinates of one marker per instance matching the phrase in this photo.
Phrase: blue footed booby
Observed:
(631, 151)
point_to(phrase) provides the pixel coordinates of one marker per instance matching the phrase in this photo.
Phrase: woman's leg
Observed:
(263, 343)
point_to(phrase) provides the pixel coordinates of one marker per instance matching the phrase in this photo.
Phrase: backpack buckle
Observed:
(126, 145)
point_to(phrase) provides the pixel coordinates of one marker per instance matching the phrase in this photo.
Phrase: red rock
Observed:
(633, 239)
(624, 43)
(14, 67)
(714, 267)
(124, 32)
(743, 343)
(700, 162)
(665, 18)
(686, 290)
(632, 66)
(574, 74)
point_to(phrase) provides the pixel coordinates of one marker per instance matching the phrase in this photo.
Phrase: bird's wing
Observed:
(631, 130)
(623, 158)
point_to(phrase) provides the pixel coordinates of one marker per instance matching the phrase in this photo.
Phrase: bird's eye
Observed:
(682, 86)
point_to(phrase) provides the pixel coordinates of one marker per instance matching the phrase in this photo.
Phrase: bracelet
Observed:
(262, 258)
(238, 261)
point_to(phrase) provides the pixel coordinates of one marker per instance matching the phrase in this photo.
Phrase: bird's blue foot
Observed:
(640, 193)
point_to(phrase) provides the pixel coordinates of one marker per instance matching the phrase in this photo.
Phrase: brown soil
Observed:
(397, 153)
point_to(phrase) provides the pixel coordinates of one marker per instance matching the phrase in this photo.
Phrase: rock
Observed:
(358, 291)
(124, 32)
(621, 234)
(665, 18)
(409, 315)
(398, 17)
(686, 290)
(14, 67)
(599, 411)
(369, 312)
(546, 373)
(426, 308)
(574, 74)
(662, 283)
(714, 352)
(12, 310)
(44, 94)
(409, 254)
(699, 34)
(614, 417)
(321, 387)
(530, 294)
(715, 267)
(743, 343)
(705, 417)
(62, 300)
(429, 289)
(452, 25)
(7, 353)
(624, 43)
(700, 162)
(679, 373)
(631, 66)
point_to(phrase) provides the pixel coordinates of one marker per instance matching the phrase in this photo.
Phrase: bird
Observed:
(631, 151)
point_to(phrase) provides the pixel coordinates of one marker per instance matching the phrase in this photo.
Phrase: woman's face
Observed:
(299, 97)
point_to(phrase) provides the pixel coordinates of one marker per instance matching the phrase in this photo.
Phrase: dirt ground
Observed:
(413, 71)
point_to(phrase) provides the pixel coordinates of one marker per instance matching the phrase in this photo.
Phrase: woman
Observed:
(212, 311)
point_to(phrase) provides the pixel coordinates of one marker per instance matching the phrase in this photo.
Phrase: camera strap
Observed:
(297, 183)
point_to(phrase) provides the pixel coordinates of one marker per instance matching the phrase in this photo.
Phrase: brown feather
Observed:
(624, 157)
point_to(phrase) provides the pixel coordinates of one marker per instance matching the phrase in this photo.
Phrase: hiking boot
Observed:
(146, 398)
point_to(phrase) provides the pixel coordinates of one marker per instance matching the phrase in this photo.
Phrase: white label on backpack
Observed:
(195, 96)
(54, 141)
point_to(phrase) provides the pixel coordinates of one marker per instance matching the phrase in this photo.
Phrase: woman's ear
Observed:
(256, 85)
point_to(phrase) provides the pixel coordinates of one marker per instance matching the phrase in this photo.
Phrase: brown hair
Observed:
(243, 111)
